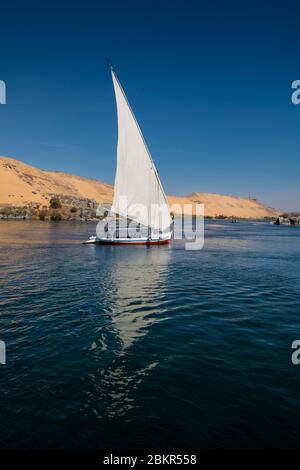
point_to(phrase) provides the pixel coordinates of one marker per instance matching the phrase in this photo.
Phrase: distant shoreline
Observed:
(26, 188)
(90, 220)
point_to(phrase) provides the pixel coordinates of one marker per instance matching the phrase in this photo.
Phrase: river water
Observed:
(149, 347)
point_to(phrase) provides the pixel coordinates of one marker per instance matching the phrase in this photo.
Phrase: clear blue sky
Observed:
(209, 82)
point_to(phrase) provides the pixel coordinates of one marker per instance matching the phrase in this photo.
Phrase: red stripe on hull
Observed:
(161, 242)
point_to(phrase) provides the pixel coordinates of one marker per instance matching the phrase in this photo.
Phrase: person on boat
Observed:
(106, 229)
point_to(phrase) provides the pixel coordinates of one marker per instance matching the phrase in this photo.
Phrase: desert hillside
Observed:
(228, 206)
(22, 184)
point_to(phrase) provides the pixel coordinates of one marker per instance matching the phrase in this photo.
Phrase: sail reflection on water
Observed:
(135, 290)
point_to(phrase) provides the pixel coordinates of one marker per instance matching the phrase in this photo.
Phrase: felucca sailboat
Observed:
(138, 192)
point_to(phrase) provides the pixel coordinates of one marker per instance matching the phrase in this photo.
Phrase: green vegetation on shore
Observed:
(58, 209)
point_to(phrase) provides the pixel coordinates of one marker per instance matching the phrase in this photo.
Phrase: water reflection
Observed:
(134, 287)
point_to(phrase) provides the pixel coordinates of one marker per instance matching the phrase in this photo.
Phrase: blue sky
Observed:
(209, 82)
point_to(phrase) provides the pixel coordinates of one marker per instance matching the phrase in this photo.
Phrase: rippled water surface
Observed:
(149, 346)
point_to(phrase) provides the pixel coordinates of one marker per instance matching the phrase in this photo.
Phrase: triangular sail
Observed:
(138, 192)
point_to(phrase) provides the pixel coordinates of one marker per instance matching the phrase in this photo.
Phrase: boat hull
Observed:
(128, 241)
(149, 242)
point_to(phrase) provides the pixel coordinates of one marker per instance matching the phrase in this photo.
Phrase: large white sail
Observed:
(138, 192)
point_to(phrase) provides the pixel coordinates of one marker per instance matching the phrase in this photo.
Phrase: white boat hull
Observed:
(162, 240)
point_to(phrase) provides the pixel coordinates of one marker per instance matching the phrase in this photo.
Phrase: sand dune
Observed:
(229, 206)
(21, 184)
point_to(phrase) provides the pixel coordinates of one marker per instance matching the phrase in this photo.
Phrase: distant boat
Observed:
(136, 183)
(287, 220)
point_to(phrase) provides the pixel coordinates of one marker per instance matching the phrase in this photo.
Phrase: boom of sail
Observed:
(138, 192)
